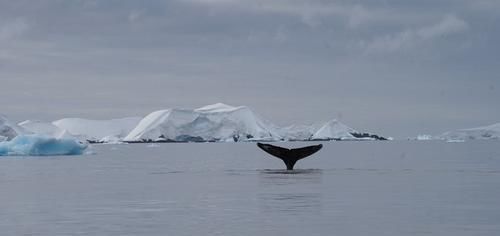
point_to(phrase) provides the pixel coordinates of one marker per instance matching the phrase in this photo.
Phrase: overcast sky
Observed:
(396, 68)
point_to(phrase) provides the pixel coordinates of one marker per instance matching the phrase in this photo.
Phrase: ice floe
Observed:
(41, 145)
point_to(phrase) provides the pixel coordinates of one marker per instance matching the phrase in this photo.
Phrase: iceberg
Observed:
(8, 130)
(213, 123)
(41, 145)
(424, 137)
(334, 130)
(113, 130)
(44, 128)
(299, 132)
(484, 132)
(224, 123)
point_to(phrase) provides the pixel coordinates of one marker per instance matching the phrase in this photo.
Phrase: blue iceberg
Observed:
(41, 145)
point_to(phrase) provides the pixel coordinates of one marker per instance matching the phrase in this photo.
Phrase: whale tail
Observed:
(289, 156)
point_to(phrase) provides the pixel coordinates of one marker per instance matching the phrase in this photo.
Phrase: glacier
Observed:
(41, 145)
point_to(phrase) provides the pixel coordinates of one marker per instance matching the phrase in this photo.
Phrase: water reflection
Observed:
(290, 191)
(166, 172)
(290, 202)
(284, 177)
(291, 172)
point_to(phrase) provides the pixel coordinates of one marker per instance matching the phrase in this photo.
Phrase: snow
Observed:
(212, 123)
(334, 129)
(299, 132)
(425, 137)
(224, 123)
(98, 130)
(484, 132)
(44, 128)
(218, 107)
(217, 122)
(8, 130)
(41, 145)
(455, 141)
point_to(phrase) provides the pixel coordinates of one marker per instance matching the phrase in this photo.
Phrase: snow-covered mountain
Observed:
(8, 130)
(484, 132)
(217, 122)
(97, 130)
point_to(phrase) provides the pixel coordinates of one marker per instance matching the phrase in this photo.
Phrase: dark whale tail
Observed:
(289, 156)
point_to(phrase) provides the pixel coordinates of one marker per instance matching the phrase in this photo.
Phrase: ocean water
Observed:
(347, 188)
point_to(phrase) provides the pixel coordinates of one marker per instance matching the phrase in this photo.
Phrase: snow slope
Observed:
(8, 130)
(484, 132)
(334, 129)
(98, 130)
(216, 122)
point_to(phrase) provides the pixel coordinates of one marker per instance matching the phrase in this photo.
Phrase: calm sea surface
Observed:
(347, 188)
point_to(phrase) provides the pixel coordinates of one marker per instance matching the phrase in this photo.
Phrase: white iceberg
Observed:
(299, 132)
(334, 129)
(113, 130)
(41, 145)
(223, 123)
(213, 123)
(44, 128)
(484, 132)
(217, 122)
(424, 137)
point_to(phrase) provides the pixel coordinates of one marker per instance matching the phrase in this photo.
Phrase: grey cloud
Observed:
(311, 13)
(13, 28)
(412, 37)
(450, 24)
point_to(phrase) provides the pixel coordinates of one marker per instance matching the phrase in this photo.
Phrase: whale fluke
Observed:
(289, 156)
